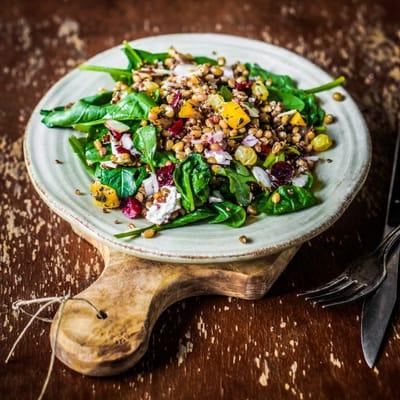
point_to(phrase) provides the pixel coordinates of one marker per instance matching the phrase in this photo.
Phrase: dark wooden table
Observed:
(212, 347)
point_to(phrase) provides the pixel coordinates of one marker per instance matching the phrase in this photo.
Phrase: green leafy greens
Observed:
(292, 198)
(145, 141)
(125, 181)
(284, 89)
(192, 179)
(239, 178)
(94, 111)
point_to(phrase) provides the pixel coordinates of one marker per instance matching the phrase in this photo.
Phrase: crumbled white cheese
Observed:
(160, 212)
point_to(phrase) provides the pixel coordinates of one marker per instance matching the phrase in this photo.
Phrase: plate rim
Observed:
(168, 256)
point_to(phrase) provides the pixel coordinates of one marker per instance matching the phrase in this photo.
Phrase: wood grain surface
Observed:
(132, 293)
(210, 347)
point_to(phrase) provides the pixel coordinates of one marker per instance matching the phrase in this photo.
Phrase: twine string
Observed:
(47, 302)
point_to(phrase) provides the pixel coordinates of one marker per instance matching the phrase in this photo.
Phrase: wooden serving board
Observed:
(133, 293)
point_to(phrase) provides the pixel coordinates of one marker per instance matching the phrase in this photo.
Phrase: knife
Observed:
(378, 307)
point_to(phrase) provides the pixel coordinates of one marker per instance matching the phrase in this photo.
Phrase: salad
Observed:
(182, 139)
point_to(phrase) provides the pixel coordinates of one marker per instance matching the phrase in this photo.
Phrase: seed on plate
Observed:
(296, 138)
(215, 168)
(106, 211)
(337, 96)
(329, 119)
(251, 210)
(217, 71)
(178, 146)
(117, 221)
(59, 162)
(276, 198)
(215, 147)
(310, 135)
(243, 239)
(276, 148)
(198, 148)
(78, 192)
(131, 226)
(149, 233)
(168, 111)
(221, 61)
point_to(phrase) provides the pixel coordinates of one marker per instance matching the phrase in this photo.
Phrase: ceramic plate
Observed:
(341, 179)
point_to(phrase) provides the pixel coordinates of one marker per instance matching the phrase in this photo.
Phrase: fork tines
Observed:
(340, 290)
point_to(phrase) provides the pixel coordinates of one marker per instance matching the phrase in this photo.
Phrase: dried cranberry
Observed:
(106, 138)
(117, 135)
(176, 99)
(132, 208)
(243, 85)
(164, 175)
(176, 128)
(121, 149)
(282, 172)
(266, 149)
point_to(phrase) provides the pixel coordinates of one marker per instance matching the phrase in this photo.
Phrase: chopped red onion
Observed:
(250, 140)
(116, 126)
(126, 141)
(184, 70)
(108, 164)
(151, 185)
(216, 137)
(121, 150)
(221, 157)
(228, 72)
(300, 180)
(311, 158)
(176, 99)
(262, 177)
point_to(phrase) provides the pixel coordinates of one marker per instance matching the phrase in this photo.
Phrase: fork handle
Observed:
(393, 234)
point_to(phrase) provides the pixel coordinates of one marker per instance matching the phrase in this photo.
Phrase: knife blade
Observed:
(378, 307)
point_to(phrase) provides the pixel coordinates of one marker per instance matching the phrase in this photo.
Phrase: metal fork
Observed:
(363, 276)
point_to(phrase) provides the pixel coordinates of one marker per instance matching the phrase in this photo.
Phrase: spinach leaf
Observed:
(204, 60)
(134, 60)
(188, 219)
(88, 111)
(96, 132)
(289, 100)
(285, 90)
(239, 178)
(272, 159)
(229, 213)
(118, 74)
(225, 92)
(145, 141)
(151, 57)
(125, 180)
(78, 146)
(192, 178)
(292, 198)
(279, 81)
(161, 157)
(93, 156)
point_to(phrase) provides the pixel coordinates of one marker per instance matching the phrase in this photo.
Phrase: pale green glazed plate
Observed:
(341, 179)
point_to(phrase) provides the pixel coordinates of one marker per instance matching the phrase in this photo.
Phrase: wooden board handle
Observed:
(133, 293)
